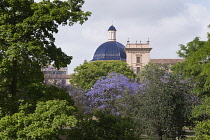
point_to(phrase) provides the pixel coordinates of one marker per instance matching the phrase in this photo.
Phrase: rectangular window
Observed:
(138, 59)
(138, 70)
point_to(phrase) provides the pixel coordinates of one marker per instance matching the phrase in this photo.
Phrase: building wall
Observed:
(57, 79)
(52, 70)
(55, 76)
(137, 55)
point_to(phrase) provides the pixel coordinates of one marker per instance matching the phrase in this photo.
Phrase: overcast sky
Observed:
(167, 23)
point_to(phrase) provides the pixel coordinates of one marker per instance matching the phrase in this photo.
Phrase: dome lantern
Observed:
(112, 33)
(110, 50)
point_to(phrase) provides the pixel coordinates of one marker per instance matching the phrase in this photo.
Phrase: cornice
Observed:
(138, 50)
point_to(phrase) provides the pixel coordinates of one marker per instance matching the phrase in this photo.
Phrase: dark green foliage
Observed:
(35, 93)
(130, 105)
(27, 44)
(166, 103)
(87, 74)
(104, 126)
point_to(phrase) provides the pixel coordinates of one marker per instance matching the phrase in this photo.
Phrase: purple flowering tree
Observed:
(108, 90)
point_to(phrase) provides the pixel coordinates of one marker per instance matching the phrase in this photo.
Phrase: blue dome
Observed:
(111, 50)
(112, 28)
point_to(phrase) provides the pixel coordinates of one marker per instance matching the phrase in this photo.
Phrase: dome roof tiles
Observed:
(112, 28)
(111, 50)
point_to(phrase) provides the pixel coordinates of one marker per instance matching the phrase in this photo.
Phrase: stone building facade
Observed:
(53, 76)
(137, 55)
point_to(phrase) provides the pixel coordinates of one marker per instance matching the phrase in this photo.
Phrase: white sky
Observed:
(167, 23)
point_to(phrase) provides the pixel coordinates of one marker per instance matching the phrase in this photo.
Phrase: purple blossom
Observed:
(108, 89)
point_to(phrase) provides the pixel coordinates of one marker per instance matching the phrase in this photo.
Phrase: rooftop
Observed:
(112, 28)
(166, 61)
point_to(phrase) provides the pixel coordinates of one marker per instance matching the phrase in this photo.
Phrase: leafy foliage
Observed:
(27, 43)
(160, 104)
(196, 67)
(87, 74)
(202, 129)
(47, 122)
(105, 126)
(196, 64)
(108, 89)
(166, 103)
(36, 93)
(80, 100)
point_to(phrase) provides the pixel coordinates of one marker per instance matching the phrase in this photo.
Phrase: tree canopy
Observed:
(105, 127)
(196, 65)
(27, 43)
(87, 74)
(202, 128)
(46, 123)
(108, 89)
(166, 103)
(196, 68)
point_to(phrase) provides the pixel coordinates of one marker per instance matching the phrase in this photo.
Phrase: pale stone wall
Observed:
(111, 35)
(56, 79)
(56, 76)
(137, 55)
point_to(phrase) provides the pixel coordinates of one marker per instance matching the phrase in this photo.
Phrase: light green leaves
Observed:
(88, 73)
(47, 122)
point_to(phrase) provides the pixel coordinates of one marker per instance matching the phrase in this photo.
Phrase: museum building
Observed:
(137, 55)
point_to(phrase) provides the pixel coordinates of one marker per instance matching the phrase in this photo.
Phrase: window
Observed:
(137, 70)
(138, 59)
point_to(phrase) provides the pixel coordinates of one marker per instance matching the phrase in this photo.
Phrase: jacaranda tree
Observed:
(108, 89)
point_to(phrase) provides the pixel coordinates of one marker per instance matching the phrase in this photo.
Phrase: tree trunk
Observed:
(160, 134)
(13, 88)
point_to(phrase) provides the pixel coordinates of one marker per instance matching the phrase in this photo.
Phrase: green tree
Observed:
(196, 68)
(166, 103)
(104, 126)
(202, 128)
(40, 92)
(27, 43)
(196, 54)
(46, 123)
(87, 74)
